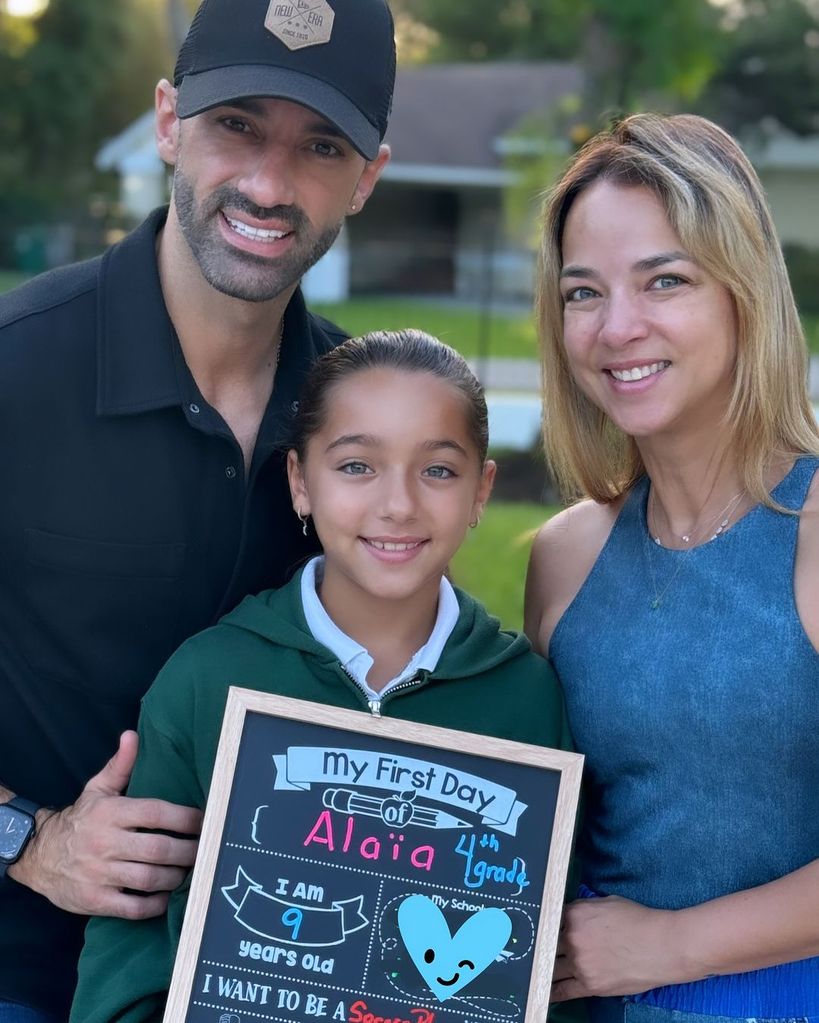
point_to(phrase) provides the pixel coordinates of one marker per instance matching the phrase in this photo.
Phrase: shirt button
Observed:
(193, 407)
(230, 471)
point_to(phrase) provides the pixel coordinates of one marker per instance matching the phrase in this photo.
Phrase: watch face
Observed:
(15, 829)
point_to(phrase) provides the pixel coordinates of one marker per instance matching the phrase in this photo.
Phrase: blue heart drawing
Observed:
(449, 962)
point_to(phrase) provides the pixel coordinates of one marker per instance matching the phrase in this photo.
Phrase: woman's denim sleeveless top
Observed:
(699, 719)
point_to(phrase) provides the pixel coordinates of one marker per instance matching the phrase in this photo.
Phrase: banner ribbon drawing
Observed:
(291, 923)
(303, 766)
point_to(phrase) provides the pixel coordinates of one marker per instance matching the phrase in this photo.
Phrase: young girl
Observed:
(389, 463)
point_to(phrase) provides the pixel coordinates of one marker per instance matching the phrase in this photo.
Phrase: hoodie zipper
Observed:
(414, 682)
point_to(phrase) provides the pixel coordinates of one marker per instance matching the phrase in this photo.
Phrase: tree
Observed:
(633, 53)
(770, 73)
(636, 55)
(496, 29)
(73, 77)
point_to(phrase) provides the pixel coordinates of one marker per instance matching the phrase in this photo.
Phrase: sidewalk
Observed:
(508, 374)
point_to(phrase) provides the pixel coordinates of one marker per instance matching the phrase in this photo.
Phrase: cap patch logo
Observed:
(299, 23)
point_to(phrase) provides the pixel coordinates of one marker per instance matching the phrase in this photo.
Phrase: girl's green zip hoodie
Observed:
(487, 681)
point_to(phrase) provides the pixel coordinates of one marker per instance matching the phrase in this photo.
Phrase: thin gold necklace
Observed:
(721, 521)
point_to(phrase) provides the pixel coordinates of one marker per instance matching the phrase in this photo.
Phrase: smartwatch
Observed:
(17, 826)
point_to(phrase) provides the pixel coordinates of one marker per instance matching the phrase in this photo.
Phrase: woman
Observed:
(679, 601)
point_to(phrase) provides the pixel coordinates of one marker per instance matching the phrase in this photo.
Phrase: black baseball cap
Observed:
(336, 57)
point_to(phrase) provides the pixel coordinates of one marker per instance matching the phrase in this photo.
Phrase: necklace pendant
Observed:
(685, 538)
(655, 603)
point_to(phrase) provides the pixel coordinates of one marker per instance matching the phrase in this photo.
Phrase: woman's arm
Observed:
(612, 946)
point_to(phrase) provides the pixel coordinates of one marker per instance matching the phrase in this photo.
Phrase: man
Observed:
(146, 397)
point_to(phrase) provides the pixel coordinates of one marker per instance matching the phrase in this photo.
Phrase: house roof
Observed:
(453, 115)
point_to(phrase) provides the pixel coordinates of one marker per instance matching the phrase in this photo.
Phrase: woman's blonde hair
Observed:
(716, 205)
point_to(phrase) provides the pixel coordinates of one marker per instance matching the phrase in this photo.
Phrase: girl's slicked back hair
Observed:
(716, 205)
(410, 350)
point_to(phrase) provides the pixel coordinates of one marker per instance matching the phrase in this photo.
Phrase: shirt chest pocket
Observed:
(103, 616)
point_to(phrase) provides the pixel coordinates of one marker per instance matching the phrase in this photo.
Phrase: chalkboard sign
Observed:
(369, 870)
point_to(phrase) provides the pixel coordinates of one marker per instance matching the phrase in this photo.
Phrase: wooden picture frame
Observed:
(340, 851)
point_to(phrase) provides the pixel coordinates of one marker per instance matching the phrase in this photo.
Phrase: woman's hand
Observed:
(612, 946)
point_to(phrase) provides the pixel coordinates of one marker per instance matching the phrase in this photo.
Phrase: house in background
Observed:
(435, 225)
(142, 175)
(789, 169)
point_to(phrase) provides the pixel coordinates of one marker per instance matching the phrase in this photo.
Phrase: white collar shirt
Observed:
(354, 658)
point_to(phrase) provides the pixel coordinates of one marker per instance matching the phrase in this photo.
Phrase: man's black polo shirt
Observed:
(126, 525)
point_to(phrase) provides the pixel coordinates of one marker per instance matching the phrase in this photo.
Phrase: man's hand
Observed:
(612, 946)
(82, 857)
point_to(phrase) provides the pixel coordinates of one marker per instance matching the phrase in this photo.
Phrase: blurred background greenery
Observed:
(74, 73)
(77, 73)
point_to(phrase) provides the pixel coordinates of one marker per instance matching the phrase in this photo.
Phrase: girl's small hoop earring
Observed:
(303, 520)
(475, 523)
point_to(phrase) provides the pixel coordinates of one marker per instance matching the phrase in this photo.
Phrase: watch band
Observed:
(26, 805)
(29, 808)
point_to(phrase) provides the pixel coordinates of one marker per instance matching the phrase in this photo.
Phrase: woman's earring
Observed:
(303, 520)
(353, 207)
(475, 522)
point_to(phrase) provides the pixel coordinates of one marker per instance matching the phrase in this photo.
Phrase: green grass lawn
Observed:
(509, 335)
(491, 565)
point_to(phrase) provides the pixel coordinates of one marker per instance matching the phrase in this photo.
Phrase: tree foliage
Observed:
(745, 63)
(84, 69)
(496, 29)
(75, 76)
(770, 73)
(636, 54)
(632, 51)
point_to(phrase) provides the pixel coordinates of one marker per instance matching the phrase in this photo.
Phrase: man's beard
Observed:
(241, 274)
